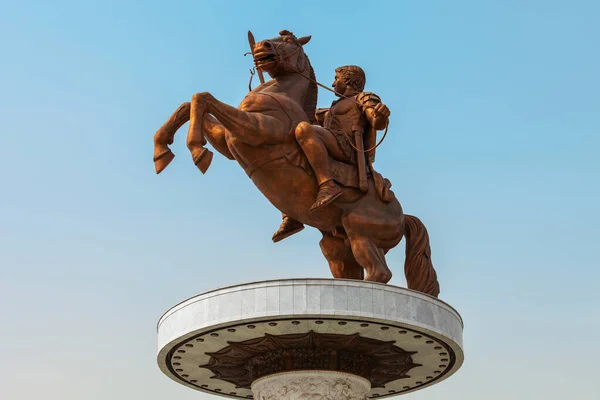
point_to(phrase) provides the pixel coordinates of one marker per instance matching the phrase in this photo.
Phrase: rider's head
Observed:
(352, 76)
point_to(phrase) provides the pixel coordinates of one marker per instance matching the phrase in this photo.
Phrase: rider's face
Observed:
(339, 83)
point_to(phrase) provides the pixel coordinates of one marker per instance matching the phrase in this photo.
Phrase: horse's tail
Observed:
(418, 268)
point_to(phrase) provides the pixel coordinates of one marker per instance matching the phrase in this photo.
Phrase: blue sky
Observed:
(494, 143)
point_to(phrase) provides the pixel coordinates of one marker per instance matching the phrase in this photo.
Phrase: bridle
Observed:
(283, 60)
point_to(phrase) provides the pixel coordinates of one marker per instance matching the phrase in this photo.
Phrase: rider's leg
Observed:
(318, 144)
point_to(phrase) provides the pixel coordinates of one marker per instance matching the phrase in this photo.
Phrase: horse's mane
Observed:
(310, 100)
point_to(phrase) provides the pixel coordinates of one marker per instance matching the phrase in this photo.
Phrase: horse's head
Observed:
(281, 55)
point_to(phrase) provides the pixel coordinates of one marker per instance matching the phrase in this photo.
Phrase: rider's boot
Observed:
(328, 192)
(288, 227)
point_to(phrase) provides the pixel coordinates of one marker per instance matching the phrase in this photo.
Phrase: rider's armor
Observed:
(345, 117)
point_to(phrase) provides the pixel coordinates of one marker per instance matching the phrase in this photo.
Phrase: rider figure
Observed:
(355, 111)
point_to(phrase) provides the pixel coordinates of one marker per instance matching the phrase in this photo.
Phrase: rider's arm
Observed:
(375, 111)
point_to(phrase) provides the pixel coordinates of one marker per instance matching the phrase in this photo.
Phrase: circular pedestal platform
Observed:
(228, 341)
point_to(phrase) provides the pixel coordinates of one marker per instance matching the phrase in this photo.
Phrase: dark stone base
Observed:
(240, 363)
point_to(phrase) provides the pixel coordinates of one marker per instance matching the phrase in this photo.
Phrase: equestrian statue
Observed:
(313, 165)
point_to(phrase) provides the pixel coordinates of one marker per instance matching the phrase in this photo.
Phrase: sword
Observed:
(252, 44)
(363, 184)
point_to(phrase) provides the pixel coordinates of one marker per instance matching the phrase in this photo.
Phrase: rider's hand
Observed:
(381, 111)
(381, 114)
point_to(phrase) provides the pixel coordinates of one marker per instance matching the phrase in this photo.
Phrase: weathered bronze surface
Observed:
(241, 363)
(314, 165)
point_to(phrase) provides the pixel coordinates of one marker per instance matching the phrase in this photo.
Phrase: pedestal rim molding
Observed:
(298, 281)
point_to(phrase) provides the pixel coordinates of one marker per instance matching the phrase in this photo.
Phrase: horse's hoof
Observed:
(162, 160)
(203, 159)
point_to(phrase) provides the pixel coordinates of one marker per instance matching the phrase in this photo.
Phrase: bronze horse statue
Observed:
(358, 228)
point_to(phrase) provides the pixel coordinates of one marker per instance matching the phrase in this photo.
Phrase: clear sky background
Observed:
(494, 143)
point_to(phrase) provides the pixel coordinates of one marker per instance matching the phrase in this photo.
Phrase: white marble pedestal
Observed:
(243, 341)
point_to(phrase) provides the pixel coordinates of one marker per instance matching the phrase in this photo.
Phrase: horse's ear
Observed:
(304, 39)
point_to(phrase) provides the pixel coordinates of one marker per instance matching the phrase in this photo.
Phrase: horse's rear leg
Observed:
(165, 135)
(340, 258)
(372, 259)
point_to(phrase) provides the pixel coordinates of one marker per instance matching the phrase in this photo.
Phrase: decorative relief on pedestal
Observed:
(313, 385)
(242, 363)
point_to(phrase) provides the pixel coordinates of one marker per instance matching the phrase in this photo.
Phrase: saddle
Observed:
(344, 173)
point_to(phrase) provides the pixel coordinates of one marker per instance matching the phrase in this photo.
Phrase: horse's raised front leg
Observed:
(250, 123)
(165, 136)
(201, 156)
(214, 131)
(216, 134)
